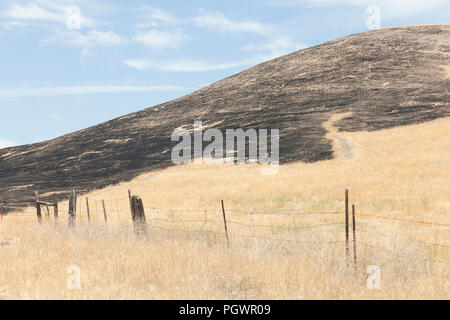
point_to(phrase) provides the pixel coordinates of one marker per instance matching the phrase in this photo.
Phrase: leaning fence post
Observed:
(72, 208)
(354, 238)
(138, 216)
(104, 210)
(346, 228)
(88, 211)
(38, 207)
(225, 224)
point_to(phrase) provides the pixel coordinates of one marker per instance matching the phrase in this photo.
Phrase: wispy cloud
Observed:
(31, 12)
(216, 20)
(6, 143)
(45, 11)
(86, 40)
(160, 39)
(276, 47)
(390, 8)
(190, 65)
(160, 15)
(79, 90)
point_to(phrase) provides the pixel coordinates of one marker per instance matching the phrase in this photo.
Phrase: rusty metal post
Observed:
(354, 238)
(1, 208)
(225, 224)
(104, 210)
(88, 211)
(347, 253)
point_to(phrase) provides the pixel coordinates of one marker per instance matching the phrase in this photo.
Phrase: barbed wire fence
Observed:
(161, 222)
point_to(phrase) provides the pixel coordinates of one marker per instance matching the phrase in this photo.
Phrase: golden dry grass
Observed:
(400, 173)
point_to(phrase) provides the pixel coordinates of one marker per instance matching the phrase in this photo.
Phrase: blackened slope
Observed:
(387, 78)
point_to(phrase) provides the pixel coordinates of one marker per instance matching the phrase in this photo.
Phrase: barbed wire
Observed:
(246, 236)
(286, 212)
(248, 225)
(409, 239)
(399, 255)
(403, 220)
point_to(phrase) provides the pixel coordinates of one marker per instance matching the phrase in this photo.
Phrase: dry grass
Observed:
(402, 173)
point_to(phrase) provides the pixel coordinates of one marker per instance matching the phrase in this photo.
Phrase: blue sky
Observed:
(66, 65)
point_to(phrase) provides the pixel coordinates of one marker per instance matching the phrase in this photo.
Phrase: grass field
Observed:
(277, 251)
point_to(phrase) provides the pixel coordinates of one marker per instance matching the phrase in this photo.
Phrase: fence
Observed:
(144, 226)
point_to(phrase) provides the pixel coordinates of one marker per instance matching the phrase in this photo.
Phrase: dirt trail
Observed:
(446, 69)
(343, 146)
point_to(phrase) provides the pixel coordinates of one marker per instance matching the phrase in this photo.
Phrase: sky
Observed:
(66, 65)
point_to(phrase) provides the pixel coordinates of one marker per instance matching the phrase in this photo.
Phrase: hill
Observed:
(383, 78)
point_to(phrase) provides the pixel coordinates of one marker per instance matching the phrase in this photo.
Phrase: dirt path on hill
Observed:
(343, 146)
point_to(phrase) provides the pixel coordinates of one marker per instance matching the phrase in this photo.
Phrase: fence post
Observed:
(55, 207)
(72, 208)
(354, 238)
(1, 208)
(225, 224)
(138, 216)
(104, 210)
(88, 211)
(346, 228)
(38, 207)
(129, 196)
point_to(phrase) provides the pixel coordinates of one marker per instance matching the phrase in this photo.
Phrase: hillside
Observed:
(276, 250)
(384, 78)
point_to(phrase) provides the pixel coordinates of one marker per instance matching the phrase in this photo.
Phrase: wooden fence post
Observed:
(88, 211)
(1, 208)
(38, 207)
(129, 196)
(72, 208)
(346, 228)
(225, 224)
(138, 216)
(55, 207)
(104, 210)
(354, 238)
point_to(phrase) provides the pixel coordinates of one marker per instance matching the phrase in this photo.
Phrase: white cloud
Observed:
(94, 38)
(31, 12)
(190, 65)
(140, 64)
(158, 14)
(86, 40)
(6, 143)
(76, 90)
(154, 18)
(160, 39)
(146, 25)
(218, 21)
(390, 8)
(8, 25)
(47, 11)
(276, 47)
